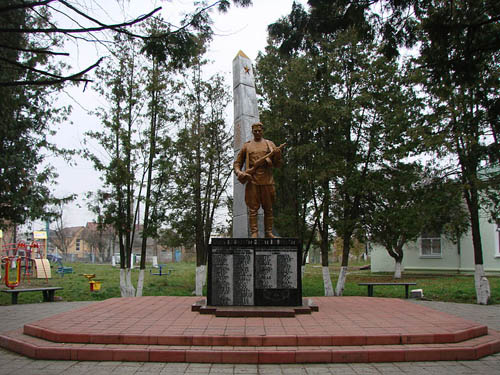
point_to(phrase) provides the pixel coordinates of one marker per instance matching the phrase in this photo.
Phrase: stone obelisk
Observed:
(246, 113)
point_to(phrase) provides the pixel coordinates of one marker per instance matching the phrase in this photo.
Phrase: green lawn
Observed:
(452, 288)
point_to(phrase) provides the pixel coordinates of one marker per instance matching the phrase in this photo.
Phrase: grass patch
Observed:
(448, 288)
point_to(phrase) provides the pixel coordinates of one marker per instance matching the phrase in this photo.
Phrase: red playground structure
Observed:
(21, 257)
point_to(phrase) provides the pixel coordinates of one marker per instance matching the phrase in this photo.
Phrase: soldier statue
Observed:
(259, 156)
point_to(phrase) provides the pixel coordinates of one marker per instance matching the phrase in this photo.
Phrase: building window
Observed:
(77, 246)
(430, 244)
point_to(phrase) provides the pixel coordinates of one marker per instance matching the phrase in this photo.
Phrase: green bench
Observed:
(371, 285)
(64, 270)
(48, 293)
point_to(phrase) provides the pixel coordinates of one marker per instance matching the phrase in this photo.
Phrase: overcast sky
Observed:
(240, 29)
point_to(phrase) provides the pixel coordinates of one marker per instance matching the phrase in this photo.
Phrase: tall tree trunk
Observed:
(200, 279)
(327, 280)
(469, 164)
(397, 269)
(397, 254)
(324, 246)
(149, 181)
(482, 286)
(199, 235)
(339, 289)
(126, 287)
(309, 242)
(140, 282)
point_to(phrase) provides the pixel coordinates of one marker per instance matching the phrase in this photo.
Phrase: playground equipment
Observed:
(23, 256)
(12, 284)
(95, 285)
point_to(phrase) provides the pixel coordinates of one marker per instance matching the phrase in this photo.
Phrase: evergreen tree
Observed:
(458, 44)
(460, 75)
(27, 118)
(359, 109)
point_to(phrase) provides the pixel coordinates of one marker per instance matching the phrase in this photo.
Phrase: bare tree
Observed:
(62, 235)
(99, 239)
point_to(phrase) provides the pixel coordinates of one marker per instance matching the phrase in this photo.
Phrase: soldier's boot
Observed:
(268, 227)
(254, 228)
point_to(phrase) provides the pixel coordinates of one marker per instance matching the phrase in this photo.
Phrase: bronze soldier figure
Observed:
(259, 157)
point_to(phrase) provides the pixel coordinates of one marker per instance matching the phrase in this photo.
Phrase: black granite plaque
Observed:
(243, 277)
(222, 277)
(260, 272)
(277, 273)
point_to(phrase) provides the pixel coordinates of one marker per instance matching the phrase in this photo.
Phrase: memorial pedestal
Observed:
(307, 307)
(254, 272)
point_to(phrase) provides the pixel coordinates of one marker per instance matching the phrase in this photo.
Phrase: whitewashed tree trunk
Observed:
(200, 279)
(123, 282)
(339, 290)
(397, 270)
(483, 292)
(302, 271)
(130, 286)
(327, 282)
(140, 284)
(126, 287)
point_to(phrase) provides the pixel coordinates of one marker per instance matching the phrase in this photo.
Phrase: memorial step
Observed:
(252, 340)
(37, 348)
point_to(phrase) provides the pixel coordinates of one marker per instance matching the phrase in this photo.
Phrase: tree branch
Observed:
(26, 67)
(37, 50)
(58, 79)
(24, 5)
(78, 11)
(115, 27)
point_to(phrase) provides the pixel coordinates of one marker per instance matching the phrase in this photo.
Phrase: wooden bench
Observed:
(371, 285)
(48, 293)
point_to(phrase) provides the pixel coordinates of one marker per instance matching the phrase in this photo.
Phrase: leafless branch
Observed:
(78, 11)
(26, 67)
(58, 79)
(116, 27)
(25, 5)
(35, 50)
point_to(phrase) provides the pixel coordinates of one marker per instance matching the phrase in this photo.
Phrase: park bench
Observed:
(48, 293)
(371, 285)
(64, 270)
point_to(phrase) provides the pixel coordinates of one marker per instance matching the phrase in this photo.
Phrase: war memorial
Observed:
(254, 311)
(255, 267)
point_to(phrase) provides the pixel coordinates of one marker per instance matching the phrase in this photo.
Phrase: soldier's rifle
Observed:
(243, 179)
